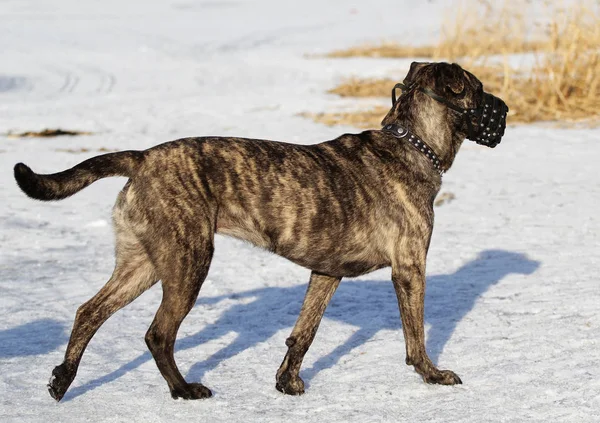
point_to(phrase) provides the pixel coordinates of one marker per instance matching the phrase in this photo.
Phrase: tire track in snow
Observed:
(107, 79)
(70, 81)
(80, 78)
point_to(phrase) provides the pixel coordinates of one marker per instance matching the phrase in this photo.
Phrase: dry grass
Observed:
(562, 85)
(354, 87)
(472, 31)
(360, 119)
(85, 150)
(47, 133)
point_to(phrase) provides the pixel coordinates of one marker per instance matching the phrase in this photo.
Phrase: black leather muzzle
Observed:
(490, 118)
(485, 124)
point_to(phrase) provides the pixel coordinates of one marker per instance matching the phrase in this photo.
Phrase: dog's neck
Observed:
(436, 129)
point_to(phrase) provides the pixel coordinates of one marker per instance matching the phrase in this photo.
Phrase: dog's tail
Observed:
(61, 185)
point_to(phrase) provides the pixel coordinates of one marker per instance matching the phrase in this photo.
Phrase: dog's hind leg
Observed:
(320, 290)
(182, 271)
(134, 273)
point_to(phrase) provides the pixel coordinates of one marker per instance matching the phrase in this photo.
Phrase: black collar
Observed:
(402, 132)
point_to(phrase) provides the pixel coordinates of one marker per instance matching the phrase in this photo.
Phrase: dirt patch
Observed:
(444, 198)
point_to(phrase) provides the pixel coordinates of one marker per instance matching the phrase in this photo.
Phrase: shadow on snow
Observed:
(370, 306)
(33, 338)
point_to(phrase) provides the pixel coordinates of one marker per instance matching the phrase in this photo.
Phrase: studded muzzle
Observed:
(485, 124)
(490, 119)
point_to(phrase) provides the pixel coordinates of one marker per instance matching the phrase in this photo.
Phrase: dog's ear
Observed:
(414, 68)
(453, 79)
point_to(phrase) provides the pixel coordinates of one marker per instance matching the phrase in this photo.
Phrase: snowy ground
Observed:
(513, 294)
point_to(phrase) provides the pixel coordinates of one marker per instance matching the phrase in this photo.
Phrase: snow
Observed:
(512, 298)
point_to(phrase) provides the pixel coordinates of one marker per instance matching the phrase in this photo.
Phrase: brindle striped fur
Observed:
(340, 208)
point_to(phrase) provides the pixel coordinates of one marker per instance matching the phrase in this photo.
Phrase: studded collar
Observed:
(403, 133)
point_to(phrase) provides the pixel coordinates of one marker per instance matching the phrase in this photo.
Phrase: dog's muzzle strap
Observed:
(403, 133)
(427, 91)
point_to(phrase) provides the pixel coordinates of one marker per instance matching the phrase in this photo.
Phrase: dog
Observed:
(341, 208)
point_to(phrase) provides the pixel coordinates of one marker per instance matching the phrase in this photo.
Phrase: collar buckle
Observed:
(398, 131)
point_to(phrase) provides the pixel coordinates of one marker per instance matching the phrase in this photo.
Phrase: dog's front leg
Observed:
(320, 290)
(409, 282)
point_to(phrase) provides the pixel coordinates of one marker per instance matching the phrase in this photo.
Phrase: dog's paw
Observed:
(290, 385)
(442, 377)
(60, 381)
(192, 391)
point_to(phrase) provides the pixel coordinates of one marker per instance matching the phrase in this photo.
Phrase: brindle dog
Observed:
(341, 208)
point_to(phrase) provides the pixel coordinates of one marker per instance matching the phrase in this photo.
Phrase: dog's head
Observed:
(480, 116)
